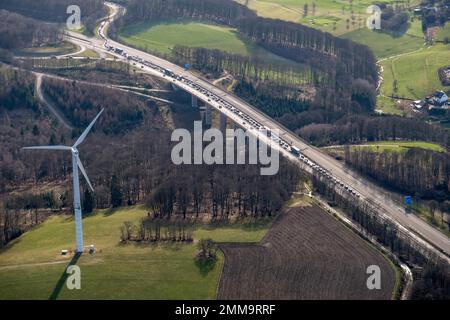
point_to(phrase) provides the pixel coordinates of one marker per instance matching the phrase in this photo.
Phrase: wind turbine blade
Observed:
(80, 165)
(48, 148)
(86, 131)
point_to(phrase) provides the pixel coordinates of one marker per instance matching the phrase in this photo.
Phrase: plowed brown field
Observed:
(306, 254)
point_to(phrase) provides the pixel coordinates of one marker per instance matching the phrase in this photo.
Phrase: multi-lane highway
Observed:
(248, 117)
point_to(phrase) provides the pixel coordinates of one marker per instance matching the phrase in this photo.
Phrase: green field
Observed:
(45, 51)
(385, 146)
(31, 267)
(328, 15)
(385, 45)
(88, 53)
(389, 106)
(416, 73)
(81, 30)
(163, 37)
(399, 146)
(332, 15)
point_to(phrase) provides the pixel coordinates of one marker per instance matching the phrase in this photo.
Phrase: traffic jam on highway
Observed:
(245, 117)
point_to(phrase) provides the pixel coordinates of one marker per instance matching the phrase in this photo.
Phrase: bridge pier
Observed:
(223, 123)
(208, 115)
(194, 101)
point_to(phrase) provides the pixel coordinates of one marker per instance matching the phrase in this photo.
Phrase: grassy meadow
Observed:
(334, 16)
(31, 266)
(164, 36)
(386, 146)
(61, 48)
(385, 45)
(416, 74)
(399, 146)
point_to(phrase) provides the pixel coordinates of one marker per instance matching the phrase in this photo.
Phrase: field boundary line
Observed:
(37, 264)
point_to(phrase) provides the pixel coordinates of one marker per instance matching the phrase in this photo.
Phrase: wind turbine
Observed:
(76, 163)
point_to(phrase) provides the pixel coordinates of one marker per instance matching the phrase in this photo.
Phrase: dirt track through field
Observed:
(306, 254)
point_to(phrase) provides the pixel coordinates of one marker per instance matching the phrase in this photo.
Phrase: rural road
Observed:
(47, 103)
(60, 117)
(426, 235)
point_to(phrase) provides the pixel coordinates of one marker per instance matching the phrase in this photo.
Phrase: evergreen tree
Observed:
(35, 130)
(88, 202)
(116, 192)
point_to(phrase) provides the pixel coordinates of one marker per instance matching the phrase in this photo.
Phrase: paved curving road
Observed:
(425, 234)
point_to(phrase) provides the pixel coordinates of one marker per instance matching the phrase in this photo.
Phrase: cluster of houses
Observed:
(439, 100)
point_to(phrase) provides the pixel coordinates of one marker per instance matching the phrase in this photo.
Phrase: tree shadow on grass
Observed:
(111, 211)
(400, 32)
(169, 245)
(246, 224)
(62, 280)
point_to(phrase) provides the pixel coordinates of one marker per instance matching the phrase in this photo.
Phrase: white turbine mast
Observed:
(76, 163)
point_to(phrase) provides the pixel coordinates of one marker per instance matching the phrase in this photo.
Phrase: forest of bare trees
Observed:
(224, 191)
(27, 32)
(328, 129)
(17, 88)
(415, 171)
(80, 103)
(217, 11)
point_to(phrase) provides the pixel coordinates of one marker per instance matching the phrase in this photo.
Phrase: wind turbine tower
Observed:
(76, 163)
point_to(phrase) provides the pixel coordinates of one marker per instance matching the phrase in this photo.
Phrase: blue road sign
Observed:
(408, 200)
